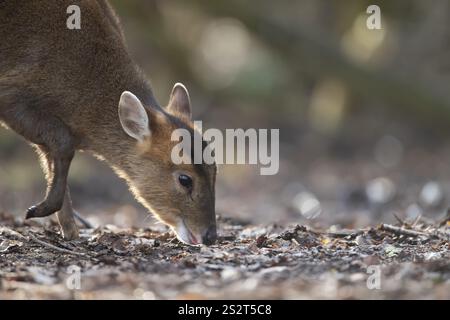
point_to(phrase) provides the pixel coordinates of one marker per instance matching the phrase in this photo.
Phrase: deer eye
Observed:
(185, 181)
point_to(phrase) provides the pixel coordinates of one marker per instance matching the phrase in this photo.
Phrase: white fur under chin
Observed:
(183, 234)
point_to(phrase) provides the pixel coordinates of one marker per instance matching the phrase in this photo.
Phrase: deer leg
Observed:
(56, 191)
(65, 216)
(66, 219)
(51, 134)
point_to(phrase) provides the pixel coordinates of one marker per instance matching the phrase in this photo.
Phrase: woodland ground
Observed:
(268, 262)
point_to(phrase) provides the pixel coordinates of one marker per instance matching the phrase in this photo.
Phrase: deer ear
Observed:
(180, 103)
(133, 117)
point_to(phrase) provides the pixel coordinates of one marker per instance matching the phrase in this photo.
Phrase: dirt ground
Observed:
(269, 262)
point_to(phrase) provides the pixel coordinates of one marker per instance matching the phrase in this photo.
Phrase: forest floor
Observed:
(407, 260)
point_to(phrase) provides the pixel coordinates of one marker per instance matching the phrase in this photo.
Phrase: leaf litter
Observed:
(268, 262)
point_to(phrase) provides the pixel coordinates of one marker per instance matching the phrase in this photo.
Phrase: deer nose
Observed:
(210, 236)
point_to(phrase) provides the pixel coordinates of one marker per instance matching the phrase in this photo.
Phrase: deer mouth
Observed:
(185, 235)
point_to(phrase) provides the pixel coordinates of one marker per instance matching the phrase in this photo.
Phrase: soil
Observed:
(407, 260)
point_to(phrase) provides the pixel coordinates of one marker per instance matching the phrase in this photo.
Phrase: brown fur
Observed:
(60, 89)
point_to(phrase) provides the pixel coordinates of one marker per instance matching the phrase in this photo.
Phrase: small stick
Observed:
(51, 246)
(400, 230)
(398, 219)
(416, 220)
(82, 220)
(344, 233)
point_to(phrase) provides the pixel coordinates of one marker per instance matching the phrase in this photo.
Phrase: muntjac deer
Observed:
(65, 90)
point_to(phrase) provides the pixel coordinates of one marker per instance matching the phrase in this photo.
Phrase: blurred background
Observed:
(363, 114)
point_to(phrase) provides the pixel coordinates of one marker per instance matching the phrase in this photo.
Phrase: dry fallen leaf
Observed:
(7, 245)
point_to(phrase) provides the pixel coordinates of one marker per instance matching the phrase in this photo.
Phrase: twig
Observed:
(82, 220)
(51, 246)
(403, 231)
(416, 220)
(345, 233)
(398, 219)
